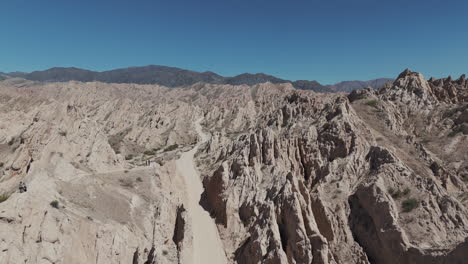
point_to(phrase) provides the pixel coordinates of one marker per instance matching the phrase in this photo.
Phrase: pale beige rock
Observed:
(287, 176)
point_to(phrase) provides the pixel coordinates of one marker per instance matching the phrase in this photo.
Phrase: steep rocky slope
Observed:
(321, 179)
(289, 176)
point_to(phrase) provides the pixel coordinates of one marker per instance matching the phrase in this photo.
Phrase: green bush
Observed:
(4, 197)
(54, 204)
(409, 204)
(372, 103)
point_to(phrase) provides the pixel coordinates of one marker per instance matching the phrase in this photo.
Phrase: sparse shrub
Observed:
(451, 112)
(54, 204)
(4, 197)
(453, 133)
(126, 183)
(171, 147)
(125, 171)
(63, 133)
(406, 191)
(397, 194)
(164, 252)
(149, 153)
(361, 96)
(372, 103)
(1, 164)
(129, 157)
(139, 179)
(425, 140)
(409, 204)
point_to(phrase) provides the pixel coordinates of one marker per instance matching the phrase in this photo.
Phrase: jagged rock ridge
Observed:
(290, 176)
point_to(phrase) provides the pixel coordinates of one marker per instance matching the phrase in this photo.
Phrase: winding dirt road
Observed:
(207, 246)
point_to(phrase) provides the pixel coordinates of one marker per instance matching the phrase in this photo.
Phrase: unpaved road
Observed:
(207, 246)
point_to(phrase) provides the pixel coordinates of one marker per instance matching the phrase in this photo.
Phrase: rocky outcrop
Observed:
(442, 90)
(289, 176)
(452, 91)
(315, 180)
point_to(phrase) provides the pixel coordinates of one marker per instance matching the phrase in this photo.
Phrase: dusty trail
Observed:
(207, 246)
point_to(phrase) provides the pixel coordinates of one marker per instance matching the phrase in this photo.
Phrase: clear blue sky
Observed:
(324, 40)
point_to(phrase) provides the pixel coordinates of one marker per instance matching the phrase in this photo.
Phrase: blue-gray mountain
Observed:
(174, 77)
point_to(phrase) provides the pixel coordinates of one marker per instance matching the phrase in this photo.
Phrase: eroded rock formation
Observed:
(289, 176)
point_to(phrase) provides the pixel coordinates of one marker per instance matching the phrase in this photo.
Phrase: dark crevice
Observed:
(363, 229)
(29, 165)
(136, 255)
(283, 237)
(179, 229)
(303, 162)
(240, 252)
(151, 257)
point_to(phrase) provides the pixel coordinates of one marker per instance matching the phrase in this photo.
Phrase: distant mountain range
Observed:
(349, 86)
(174, 77)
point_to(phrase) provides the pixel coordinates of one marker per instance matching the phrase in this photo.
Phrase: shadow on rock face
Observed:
(211, 199)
